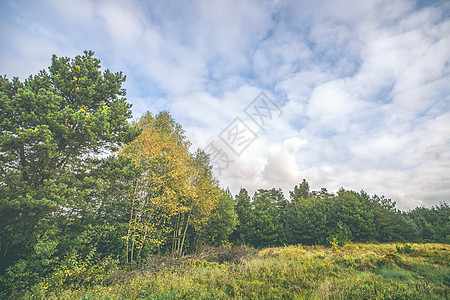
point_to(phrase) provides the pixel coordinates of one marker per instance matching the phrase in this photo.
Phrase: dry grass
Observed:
(354, 271)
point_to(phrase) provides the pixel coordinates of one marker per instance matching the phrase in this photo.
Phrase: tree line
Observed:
(83, 189)
(323, 218)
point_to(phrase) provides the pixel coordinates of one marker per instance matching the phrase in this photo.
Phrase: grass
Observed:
(354, 271)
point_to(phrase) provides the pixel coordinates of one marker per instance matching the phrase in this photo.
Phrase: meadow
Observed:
(353, 271)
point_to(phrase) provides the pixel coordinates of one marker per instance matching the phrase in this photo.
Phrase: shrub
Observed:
(341, 237)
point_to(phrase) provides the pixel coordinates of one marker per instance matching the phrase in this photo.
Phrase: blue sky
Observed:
(358, 91)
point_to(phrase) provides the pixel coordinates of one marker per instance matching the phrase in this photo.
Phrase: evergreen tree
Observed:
(223, 221)
(267, 223)
(300, 192)
(244, 212)
(54, 128)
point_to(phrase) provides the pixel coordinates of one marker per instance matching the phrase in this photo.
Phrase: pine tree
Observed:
(55, 128)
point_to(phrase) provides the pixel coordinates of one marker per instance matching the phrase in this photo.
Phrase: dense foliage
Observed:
(323, 218)
(84, 192)
(175, 190)
(56, 129)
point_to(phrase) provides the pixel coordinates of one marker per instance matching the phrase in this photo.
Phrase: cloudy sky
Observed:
(355, 93)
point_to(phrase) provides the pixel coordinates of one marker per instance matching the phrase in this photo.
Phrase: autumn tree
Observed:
(175, 190)
(207, 201)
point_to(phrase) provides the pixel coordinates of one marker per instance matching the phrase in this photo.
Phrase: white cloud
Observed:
(333, 106)
(294, 144)
(122, 21)
(363, 85)
(281, 168)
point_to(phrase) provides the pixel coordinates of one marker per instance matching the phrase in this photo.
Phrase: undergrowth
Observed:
(354, 271)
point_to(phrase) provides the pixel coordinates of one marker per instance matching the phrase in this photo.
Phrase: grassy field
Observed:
(354, 271)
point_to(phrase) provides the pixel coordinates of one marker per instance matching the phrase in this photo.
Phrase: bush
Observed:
(341, 237)
(28, 272)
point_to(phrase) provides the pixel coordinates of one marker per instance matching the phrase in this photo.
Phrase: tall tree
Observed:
(175, 190)
(300, 192)
(54, 127)
(244, 212)
(222, 222)
(267, 223)
(433, 224)
(308, 221)
(208, 196)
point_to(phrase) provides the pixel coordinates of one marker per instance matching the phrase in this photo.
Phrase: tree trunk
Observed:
(184, 234)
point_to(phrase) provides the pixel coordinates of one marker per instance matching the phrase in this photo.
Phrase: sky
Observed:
(343, 93)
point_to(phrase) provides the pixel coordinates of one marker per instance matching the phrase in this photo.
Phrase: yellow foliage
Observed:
(173, 191)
